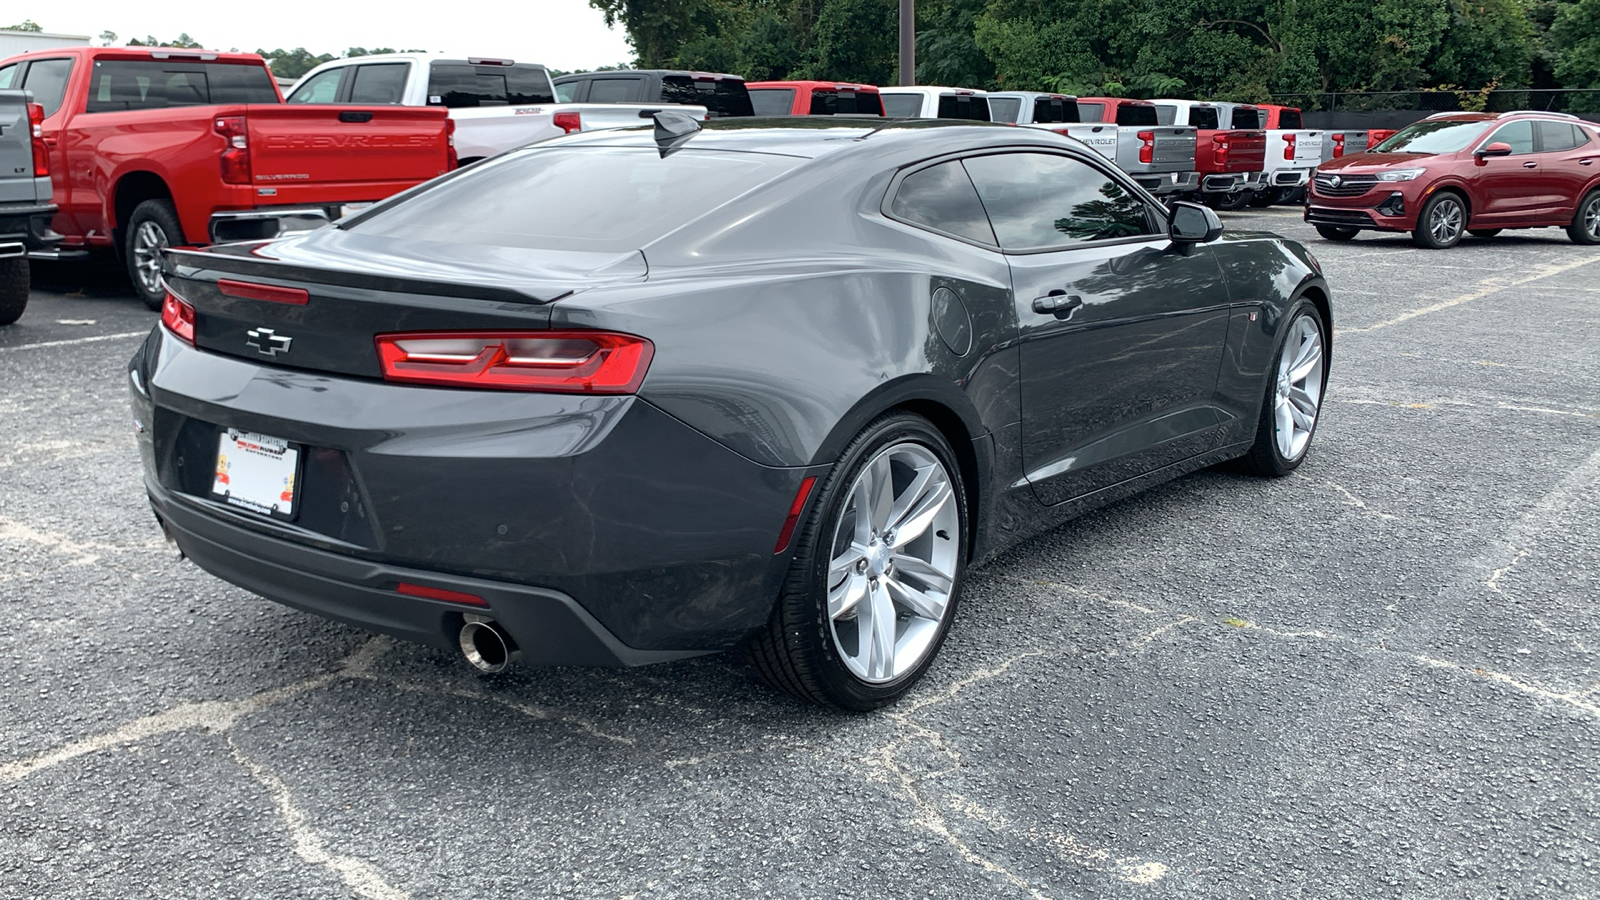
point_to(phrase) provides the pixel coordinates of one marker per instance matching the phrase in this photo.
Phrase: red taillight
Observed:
(1338, 146)
(1219, 149)
(271, 293)
(432, 593)
(236, 154)
(178, 316)
(1147, 150)
(569, 122)
(1288, 146)
(451, 160)
(794, 514)
(581, 362)
(41, 153)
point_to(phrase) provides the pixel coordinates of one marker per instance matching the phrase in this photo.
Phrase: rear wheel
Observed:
(1289, 412)
(1229, 202)
(1338, 232)
(1441, 223)
(152, 228)
(14, 285)
(1585, 227)
(1264, 197)
(876, 574)
(1483, 232)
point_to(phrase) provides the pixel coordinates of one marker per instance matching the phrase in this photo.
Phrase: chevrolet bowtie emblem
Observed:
(267, 342)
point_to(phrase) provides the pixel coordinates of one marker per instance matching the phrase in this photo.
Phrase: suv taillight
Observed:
(1288, 145)
(569, 122)
(579, 362)
(178, 316)
(1147, 150)
(1338, 146)
(41, 153)
(236, 152)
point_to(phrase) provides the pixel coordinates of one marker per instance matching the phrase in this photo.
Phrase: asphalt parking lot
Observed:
(1375, 678)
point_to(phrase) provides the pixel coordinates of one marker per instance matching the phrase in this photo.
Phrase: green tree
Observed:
(182, 40)
(293, 63)
(1575, 38)
(27, 25)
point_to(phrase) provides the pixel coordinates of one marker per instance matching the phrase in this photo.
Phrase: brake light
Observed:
(1219, 149)
(1338, 146)
(236, 152)
(271, 293)
(41, 153)
(1147, 150)
(178, 316)
(583, 362)
(1288, 146)
(794, 514)
(451, 160)
(569, 122)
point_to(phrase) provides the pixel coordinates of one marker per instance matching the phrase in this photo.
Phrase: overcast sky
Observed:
(564, 34)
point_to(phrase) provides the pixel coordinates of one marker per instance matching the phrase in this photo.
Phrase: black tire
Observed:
(1338, 232)
(1287, 196)
(161, 216)
(1263, 198)
(1229, 202)
(15, 282)
(1449, 206)
(1585, 227)
(795, 651)
(1265, 458)
(1483, 232)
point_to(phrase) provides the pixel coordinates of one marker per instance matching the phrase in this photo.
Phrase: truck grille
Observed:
(1334, 185)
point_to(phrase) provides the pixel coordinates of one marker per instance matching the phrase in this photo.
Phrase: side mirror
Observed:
(1191, 223)
(1498, 148)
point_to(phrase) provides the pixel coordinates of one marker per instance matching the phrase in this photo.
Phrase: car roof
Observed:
(428, 56)
(818, 136)
(195, 54)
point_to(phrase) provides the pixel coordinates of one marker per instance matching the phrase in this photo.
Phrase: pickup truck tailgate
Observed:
(16, 149)
(303, 145)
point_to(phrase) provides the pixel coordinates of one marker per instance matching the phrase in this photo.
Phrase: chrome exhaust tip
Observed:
(487, 646)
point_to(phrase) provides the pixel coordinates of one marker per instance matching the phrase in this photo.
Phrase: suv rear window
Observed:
(964, 106)
(1246, 119)
(121, 84)
(772, 101)
(1136, 114)
(464, 86)
(845, 103)
(611, 199)
(1289, 119)
(722, 97)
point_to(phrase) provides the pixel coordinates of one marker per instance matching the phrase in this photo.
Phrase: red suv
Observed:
(1466, 173)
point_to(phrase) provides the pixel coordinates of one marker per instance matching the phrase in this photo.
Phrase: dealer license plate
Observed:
(257, 472)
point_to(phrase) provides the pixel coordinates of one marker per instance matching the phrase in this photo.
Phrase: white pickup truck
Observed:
(1053, 112)
(496, 104)
(1293, 153)
(926, 102)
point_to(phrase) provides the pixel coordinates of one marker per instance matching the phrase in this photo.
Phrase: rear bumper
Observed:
(27, 227)
(267, 223)
(1289, 178)
(1168, 182)
(1231, 182)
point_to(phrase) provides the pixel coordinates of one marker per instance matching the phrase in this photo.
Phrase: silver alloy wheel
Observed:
(1444, 223)
(1591, 218)
(148, 242)
(1299, 388)
(893, 564)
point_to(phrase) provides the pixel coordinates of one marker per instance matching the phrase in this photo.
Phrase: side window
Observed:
(1579, 136)
(1555, 137)
(1006, 109)
(941, 198)
(1166, 114)
(7, 73)
(379, 83)
(613, 90)
(902, 106)
(773, 101)
(1518, 134)
(47, 78)
(322, 87)
(565, 92)
(1044, 201)
(1091, 112)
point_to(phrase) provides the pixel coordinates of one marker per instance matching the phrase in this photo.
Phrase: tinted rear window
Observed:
(119, 84)
(772, 101)
(614, 90)
(1136, 114)
(463, 86)
(610, 199)
(1005, 109)
(379, 83)
(902, 106)
(964, 106)
(1289, 120)
(942, 198)
(722, 97)
(1246, 118)
(845, 103)
(1203, 117)
(1555, 137)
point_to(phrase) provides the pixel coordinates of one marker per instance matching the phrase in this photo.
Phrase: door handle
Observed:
(1530, 164)
(1058, 303)
(1585, 162)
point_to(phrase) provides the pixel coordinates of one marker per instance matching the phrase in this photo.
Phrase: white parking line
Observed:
(1491, 286)
(82, 340)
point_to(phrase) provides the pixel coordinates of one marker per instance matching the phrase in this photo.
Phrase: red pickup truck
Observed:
(151, 148)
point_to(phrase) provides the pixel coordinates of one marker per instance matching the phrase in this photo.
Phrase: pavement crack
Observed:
(1351, 499)
(78, 553)
(1493, 581)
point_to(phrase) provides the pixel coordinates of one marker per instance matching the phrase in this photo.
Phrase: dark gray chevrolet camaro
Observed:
(633, 396)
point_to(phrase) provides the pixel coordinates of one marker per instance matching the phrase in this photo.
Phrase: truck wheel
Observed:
(152, 228)
(14, 280)
(1338, 232)
(1229, 202)
(1291, 195)
(1264, 197)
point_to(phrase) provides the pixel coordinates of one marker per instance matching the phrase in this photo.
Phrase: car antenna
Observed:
(673, 130)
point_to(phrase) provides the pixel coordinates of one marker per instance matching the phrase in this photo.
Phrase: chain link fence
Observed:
(1397, 109)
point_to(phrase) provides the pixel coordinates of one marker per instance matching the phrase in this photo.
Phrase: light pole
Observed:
(908, 42)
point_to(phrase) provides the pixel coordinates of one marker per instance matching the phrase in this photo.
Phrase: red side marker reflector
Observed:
(271, 293)
(794, 514)
(432, 593)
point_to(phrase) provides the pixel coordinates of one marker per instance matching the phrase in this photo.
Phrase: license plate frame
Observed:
(254, 471)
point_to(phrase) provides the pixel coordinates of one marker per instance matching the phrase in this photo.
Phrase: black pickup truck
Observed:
(722, 95)
(25, 207)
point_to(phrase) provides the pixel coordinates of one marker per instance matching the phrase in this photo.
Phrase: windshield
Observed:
(1439, 136)
(604, 199)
